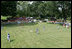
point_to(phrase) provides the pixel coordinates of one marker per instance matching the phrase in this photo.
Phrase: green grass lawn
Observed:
(4, 17)
(21, 37)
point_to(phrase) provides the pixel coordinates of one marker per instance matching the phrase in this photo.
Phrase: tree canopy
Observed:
(8, 8)
(37, 9)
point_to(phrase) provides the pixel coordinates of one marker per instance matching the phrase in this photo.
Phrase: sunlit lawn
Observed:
(21, 37)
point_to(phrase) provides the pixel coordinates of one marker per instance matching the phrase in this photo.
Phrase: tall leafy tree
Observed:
(8, 8)
(66, 8)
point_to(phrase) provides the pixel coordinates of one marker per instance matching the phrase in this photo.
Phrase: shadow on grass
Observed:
(15, 25)
(12, 40)
(60, 24)
(57, 24)
(50, 23)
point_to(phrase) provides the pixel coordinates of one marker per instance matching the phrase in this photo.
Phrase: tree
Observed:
(23, 8)
(66, 9)
(8, 8)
